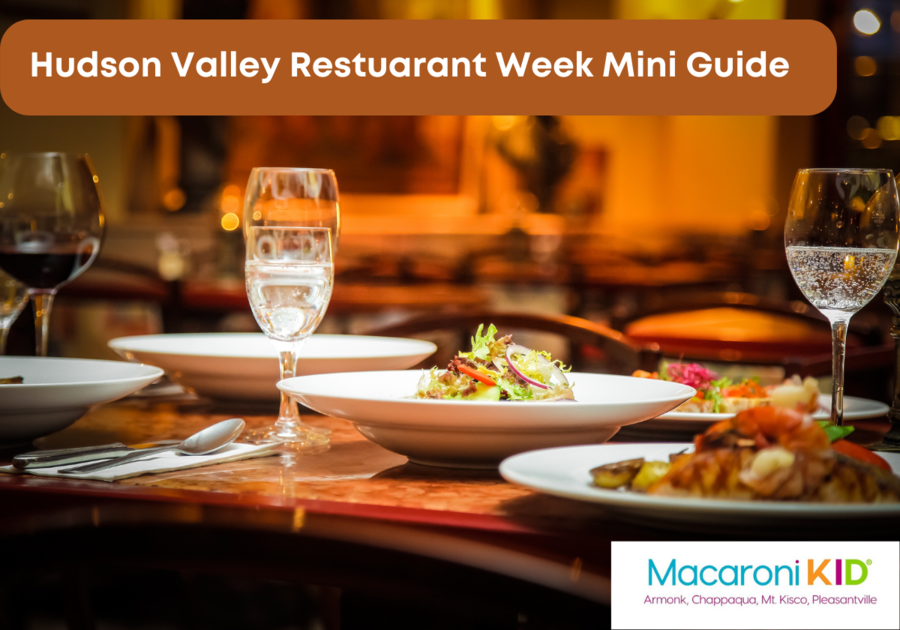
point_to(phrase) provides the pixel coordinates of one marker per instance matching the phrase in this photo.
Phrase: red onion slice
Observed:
(517, 349)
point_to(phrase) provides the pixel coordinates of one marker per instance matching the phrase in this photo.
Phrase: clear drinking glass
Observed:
(293, 197)
(13, 297)
(290, 275)
(841, 239)
(51, 225)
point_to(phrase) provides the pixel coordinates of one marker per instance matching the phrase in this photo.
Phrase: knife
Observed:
(61, 456)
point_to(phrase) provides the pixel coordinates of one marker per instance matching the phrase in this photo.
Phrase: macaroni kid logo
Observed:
(827, 572)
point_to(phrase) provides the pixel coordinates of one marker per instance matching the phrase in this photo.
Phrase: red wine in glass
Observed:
(51, 225)
(46, 269)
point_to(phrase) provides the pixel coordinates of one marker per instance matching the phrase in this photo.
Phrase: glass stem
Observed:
(43, 302)
(4, 333)
(288, 416)
(839, 350)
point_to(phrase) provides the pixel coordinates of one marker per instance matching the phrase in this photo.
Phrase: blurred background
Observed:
(666, 228)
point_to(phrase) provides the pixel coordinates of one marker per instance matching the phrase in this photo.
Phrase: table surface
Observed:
(467, 516)
(428, 511)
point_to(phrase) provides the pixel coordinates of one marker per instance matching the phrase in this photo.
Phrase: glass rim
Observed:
(7, 154)
(886, 171)
(291, 169)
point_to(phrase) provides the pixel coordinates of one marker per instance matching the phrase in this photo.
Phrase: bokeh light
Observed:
(865, 66)
(230, 221)
(856, 127)
(866, 22)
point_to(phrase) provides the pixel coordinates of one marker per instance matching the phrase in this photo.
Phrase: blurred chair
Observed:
(620, 355)
(738, 327)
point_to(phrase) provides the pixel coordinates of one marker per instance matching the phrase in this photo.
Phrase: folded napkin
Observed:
(156, 463)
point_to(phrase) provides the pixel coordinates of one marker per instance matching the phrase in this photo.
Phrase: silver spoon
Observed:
(201, 443)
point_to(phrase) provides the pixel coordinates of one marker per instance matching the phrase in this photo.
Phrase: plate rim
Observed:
(632, 502)
(110, 381)
(117, 345)
(690, 416)
(466, 404)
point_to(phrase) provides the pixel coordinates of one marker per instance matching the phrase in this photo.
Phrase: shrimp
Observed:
(763, 427)
(761, 453)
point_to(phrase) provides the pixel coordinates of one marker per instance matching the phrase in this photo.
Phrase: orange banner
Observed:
(336, 67)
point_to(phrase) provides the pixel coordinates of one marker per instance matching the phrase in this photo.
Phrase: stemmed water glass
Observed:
(51, 225)
(841, 239)
(289, 275)
(287, 213)
(13, 297)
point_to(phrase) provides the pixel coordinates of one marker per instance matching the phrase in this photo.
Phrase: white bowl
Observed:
(244, 366)
(463, 434)
(57, 392)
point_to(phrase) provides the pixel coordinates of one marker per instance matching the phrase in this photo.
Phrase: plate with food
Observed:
(719, 398)
(40, 395)
(767, 465)
(497, 399)
(244, 366)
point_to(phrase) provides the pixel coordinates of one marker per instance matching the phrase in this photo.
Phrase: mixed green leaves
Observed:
(488, 358)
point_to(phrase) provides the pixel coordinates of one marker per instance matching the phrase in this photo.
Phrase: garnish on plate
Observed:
(12, 380)
(497, 369)
(717, 394)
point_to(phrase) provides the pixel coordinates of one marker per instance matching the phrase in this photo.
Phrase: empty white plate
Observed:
(244, 366)
(565, 472)
(56, 392)
(465, 434)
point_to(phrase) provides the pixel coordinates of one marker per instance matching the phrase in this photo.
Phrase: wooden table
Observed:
(356, 516)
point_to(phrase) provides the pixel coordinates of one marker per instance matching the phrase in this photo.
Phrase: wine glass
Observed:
(293, 197)
(841, 239)
(289, 275)
(51, 225)
(13, 297)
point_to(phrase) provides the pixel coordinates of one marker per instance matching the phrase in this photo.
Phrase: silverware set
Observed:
(203, 442)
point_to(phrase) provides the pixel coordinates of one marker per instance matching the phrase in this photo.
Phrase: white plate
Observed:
(565, 472)
(680, 425)
(466, 434)
(245, 366)
(57, 392)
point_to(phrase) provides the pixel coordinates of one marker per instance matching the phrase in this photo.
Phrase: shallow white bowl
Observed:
(244, 366)
(465, 434)
(565, 472)
(57, 392)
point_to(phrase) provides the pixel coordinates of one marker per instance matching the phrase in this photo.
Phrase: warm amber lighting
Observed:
(871, 139)
(257, 215)
(759, 220)
(857, 204)
(895, 20)
(856, 127)
(1, 204)
(174, 199)
(866, 22)
(504, 123)
(2, 156)
(9, 196)
(96, 179)
(230, 222)
(231, 190)
(865, 66)
(230, 203)
(889, 127)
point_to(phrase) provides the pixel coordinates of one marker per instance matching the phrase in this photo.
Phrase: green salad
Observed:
(497, 369)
